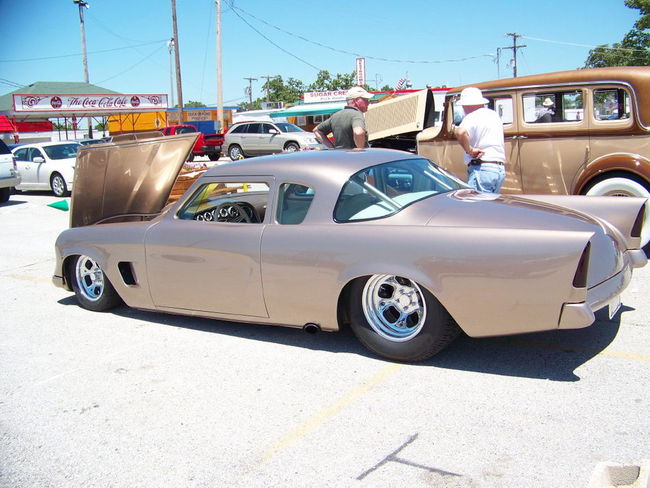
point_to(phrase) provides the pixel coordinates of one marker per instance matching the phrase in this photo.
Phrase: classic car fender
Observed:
(99, 243)
(635, 164)
(626, 215)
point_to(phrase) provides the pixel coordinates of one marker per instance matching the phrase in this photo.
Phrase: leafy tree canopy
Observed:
(633, 50)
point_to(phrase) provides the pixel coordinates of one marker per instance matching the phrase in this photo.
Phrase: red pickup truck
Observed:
(206, 145)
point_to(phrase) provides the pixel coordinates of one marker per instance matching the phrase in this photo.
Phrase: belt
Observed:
(476, 162)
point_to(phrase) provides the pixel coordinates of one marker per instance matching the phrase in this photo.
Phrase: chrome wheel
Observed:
(58, 185)
(394, 307)
(235, 152)
(90, 278)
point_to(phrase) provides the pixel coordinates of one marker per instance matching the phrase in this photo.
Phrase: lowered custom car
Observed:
(382, 241)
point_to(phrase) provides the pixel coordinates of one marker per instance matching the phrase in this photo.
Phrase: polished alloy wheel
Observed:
(394, 307)
(90, 278)
(58, 185)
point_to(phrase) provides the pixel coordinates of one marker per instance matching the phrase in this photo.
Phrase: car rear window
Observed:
(3, 148)
(382, 190)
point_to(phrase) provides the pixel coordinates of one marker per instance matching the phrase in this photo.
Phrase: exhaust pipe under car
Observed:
(311, 328)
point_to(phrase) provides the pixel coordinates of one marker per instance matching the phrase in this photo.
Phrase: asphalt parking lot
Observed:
(140, 399)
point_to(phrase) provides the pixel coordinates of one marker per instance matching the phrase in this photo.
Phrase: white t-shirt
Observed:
(485, 131)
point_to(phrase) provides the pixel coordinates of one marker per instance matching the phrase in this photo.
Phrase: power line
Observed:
(232, 7)
(79, 54)
(603, 46)
(349, 53)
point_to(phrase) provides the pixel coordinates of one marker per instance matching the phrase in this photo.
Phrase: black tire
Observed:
(291, 147)
(427, 327)
(58, 185)
(235, 152)
(92, 288)
(4, 194)
(214, 156)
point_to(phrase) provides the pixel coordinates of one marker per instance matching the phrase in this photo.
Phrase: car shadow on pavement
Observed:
(552, 355)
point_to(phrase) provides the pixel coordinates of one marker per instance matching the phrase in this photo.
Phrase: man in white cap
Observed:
(546, 114)
(348, 125)
(481, 136)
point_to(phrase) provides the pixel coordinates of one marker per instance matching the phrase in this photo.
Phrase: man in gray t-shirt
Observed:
(348, 125)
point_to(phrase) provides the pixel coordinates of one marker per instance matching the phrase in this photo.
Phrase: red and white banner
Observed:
(88, 103)
(361, 71)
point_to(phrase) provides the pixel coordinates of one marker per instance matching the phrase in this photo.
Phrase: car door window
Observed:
(227, 202)
(254, 128)
(267, 128)
(611, 104)
(553, 107)
(21, 154)
(502, 105)
(240, 129)
(34, 153)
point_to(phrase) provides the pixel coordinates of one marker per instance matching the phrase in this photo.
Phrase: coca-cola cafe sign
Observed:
(80, 104)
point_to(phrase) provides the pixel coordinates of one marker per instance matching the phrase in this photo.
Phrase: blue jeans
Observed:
(486, 177)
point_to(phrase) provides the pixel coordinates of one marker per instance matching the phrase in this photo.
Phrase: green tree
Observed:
(325, 82)
(193, 104)
(633, 50)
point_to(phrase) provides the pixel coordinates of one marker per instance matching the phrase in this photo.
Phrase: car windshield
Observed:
(61, 151)
(286, 127)
(382, 190)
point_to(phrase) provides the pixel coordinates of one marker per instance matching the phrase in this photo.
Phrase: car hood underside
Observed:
(127, 178)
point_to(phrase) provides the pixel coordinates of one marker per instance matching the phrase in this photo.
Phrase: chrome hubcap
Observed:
(394, 307)
(90, 278)
(57, 185)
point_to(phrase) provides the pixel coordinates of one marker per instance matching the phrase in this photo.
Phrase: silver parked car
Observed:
(256, 138)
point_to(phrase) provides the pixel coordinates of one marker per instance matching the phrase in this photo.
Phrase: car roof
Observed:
(334, 165)
(43, 144)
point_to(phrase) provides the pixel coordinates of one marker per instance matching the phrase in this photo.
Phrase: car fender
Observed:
(477, 274)
(109, 254)
(635, 164)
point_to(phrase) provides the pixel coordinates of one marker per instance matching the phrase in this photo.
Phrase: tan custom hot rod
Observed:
(383, 241)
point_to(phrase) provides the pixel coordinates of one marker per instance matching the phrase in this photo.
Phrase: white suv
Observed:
(9, 176)
(256, 138)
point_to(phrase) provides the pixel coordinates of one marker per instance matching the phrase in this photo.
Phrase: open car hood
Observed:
(132, 176)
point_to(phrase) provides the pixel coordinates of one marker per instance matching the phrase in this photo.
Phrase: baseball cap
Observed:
(357, 92)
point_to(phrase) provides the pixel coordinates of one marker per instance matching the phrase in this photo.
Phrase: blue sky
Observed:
(430, 42)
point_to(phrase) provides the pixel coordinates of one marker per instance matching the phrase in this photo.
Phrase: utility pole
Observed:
(83, 4)
(219, 71)
(250, 88)
(179, 83)
(170, 45)
(514, 48)
(267, 78)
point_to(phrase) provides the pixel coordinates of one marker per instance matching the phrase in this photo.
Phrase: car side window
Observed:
(34, 153)
(21, 154)
(266, 128)
(254, 128)
(227, 202)
(611, 104)
(503, 107)
(293, 203)
(553, 107)
(240, 128)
